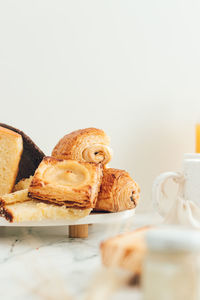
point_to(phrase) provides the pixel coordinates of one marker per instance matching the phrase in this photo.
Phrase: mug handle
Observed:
(159, 185)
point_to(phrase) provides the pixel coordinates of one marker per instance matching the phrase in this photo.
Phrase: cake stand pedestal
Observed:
(78, 231)
(81, 230)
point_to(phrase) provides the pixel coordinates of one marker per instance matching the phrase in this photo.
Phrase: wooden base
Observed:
(78, 231)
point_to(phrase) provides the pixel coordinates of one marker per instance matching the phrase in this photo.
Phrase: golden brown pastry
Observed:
(18, 196)
(11, 147)
(118, 191)
(34, 210)
(126, 251)
(67, 182)
(86, 145)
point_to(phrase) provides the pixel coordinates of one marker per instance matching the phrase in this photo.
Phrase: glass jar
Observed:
(171, 270)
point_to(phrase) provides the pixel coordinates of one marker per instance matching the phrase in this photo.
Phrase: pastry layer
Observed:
(11, 147)
(86, 145)
(118, 191)
(66, 182)
(18, 196)
(126, 251)
(37, 211)
(23, 184)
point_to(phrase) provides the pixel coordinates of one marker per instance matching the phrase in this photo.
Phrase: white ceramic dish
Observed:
(93, 218)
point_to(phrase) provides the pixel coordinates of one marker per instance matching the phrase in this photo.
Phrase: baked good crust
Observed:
(87, 145)
(66, 182)
(31, 155)
(9, 131)
(10, 158)
(118, 191)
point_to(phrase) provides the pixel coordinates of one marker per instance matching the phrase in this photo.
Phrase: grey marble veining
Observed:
(38, 263)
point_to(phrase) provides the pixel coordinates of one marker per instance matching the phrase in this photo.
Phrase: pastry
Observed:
(18, 196)
(85, 145)
(118, 191)
(126, 251)
(23, 184)
(11, 147)
(31, 156)
(37, 211)
(66, 182)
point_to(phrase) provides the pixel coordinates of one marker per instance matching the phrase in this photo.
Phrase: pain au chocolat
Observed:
(118, 191)
(31, 155)
(85, 145)
(66, 182)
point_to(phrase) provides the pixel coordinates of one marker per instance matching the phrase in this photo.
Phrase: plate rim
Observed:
(93, 218)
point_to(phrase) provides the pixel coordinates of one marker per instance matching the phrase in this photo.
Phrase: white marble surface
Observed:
(39, 263)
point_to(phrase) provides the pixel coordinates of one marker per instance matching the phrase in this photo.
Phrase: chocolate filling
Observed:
(132, 198)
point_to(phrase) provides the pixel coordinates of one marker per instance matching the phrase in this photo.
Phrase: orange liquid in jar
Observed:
(198, 138)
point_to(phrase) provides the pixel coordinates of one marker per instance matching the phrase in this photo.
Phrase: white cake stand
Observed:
(77, 228)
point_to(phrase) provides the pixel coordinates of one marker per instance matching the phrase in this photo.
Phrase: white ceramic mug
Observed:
(188, 180)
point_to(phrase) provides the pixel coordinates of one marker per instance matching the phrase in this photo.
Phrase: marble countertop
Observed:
(44, 263)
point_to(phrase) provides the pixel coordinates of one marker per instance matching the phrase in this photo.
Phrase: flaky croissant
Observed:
(66, 182)
(87, 145)
(118, 191)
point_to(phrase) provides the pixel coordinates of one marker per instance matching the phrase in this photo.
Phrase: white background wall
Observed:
(129, 67)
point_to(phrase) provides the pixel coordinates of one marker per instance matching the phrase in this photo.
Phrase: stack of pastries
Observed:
(69, 184)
